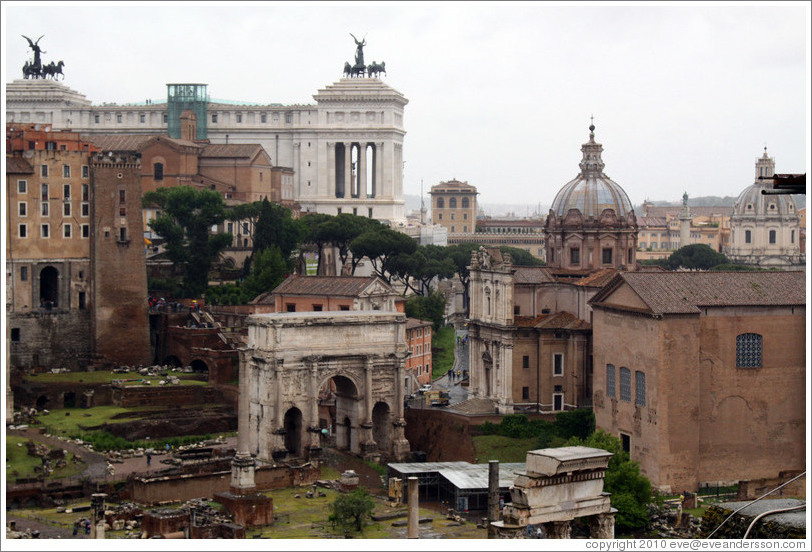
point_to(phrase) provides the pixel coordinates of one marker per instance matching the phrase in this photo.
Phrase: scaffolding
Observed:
(182, 97)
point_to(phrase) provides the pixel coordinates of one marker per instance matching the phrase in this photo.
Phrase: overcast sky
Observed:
(685, 96)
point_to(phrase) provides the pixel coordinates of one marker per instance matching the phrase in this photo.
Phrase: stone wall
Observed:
(52, 339)
(187, 487)
(166, 395)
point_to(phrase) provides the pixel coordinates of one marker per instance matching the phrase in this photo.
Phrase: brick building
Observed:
(702, 374)
(418, 364)
(75, 277)
(453, 205)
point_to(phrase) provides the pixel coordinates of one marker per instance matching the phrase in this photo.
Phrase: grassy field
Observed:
(107, 376)
(443, 359)
(66, 421)
(19, 465)
(504, 449)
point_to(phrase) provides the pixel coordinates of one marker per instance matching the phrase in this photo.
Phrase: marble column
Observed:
(242, 466)
(331, 172)
(558, 529)
(315, 433)
(413, 520)
(348, 180)
(602, 526)
(362, 171)
(377, 182)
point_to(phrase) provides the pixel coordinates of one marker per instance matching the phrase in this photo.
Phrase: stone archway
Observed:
(293, 431)
(172, 360)
(199, 367)
(381, 426)
(346, 364)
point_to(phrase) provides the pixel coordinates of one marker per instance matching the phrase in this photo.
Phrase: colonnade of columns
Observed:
(349, 183)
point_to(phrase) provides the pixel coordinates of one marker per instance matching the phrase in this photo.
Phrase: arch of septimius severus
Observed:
(289, 359)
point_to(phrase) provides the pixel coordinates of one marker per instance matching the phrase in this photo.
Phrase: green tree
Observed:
(428, 307)
(312, 231)
(268, 269)
(275, 227)
(460, 254)
(631, 491)
(520, 257)
(417, 270)
(350, 511)
(382, 247)
(575, 423)
(341, 229)
(185, 222)
(696, 256)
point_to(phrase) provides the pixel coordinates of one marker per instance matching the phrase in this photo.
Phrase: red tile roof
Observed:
(688, 292)
(119, 142)
(532, 275)
(343, 286)
(247, 151)
(412, 323)
(554, 321)
(598, 278)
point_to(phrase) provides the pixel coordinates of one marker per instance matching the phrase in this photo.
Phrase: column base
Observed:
(247, 509)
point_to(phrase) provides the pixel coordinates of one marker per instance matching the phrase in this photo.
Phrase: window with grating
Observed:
(610, 380)
(748, 350)
(640, 388)
(625, 384)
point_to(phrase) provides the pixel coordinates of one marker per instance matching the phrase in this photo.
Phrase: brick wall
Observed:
(53, 339)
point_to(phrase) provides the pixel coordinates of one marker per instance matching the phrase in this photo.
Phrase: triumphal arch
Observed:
(295, 363)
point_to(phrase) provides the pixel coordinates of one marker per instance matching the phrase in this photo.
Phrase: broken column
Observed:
(558, 486)
(97, 521)
(413, 519)
(493, 491)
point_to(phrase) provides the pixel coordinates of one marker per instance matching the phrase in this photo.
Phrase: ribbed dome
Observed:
(592, 191)
(751, 202)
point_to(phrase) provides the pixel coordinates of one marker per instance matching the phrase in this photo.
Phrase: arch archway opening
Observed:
(199, 367)
(339, 406)
(382, 427)
(293, 432)
(172, 360)
(69, 400)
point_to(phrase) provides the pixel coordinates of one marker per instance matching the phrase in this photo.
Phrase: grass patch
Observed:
(504, 449)
(20, 465)
(442, 351)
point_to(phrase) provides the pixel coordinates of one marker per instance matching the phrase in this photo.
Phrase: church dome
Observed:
(751, 202)
(592, 191)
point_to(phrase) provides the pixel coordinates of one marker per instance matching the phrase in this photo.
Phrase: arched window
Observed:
(452, 203)
(625, 384)
(610, 381)
(640, 388)
(158, 171)
(465, 203)
(748, 350)
(440, 203)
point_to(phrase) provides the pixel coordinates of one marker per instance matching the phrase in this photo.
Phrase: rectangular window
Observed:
(142, 118)
(639, 388)
(748, 350)
(15, 334)
(230, 227)
(772, 236)
(748, 237)
(85, 192)
(122, 211)
(290, 307)
(23, 273)
(65, 171)
(626, 442)
(66, 191)
(370, 212)
(525, 393)
(66, 209)
(85, 231)
(22, 209)
(45, 230)
(610, 381)
(44, 192)
(525, 361)
(66, 231)
(96, 119)
(85, 171)
(122, 234)
(85, 210)
(239, 117)
(792, 236)
(118, 117)
(575, 256)
(245, 228)
(558, 364)
(344, 307)
(82, 300)
(263, 118)
(22, 230)
(44, 171)
(165, 118)
(558, 402)
(122, 196)
(317, 308)
(607, 255)
(625, 384)
(22, 186)
(44, 210)
(288, 118)
(214, 117)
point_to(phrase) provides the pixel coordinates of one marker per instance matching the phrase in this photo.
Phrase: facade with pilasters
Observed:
(346, 151)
